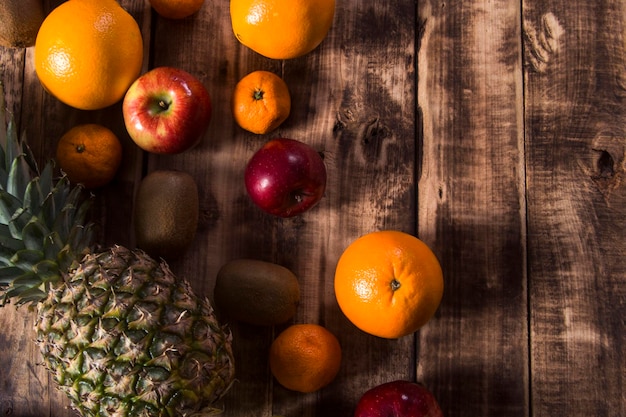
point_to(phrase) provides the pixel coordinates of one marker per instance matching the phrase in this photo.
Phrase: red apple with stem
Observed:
(166, 110)
(398, 399)
(285, 177)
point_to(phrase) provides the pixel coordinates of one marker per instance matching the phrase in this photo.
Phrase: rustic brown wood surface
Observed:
(493, 130)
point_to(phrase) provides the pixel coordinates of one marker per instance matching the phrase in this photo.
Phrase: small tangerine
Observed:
(261, 102)
(89, 154)
(305, 357)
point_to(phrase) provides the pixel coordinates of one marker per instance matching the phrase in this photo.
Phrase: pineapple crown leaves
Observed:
(43, 220)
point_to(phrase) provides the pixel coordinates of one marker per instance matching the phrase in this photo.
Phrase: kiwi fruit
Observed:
(256, 292)
(166, 213)
(19, 22)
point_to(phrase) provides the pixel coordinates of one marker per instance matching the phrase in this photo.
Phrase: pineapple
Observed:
(119, 333)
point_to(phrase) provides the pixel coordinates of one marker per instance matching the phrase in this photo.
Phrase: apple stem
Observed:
(163, 105)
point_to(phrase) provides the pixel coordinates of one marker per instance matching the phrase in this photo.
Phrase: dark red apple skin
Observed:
(167, 111)
(398, 399)
(285, 177)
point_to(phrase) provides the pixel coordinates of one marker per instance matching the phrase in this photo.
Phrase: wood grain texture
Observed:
(471, 206)
(576, 138)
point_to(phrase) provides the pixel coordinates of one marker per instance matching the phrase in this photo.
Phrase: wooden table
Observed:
(493, 130)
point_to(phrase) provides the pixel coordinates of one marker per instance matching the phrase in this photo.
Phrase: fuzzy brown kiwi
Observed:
(19, 22)
(256, 292)
(166, 213)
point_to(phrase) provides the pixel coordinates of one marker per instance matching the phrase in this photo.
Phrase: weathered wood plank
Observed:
(471, 205)
(576, 141)
(11, 77)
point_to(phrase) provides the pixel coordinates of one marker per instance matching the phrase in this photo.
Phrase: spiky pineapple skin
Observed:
(123, 336)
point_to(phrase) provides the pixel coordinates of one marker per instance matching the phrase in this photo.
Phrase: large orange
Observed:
(261, 102)
(90, 154)
(305, 357)
(281, 29)
(388, 283)
(88, 52)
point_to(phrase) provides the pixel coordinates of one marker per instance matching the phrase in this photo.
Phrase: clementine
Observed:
(261, 102)
(176, 9)
(87, 53)
(281, 29)
(305, 357)
(89, 154)
(388, 283)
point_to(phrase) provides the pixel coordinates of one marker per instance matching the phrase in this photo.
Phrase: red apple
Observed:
(398, 399)
(285, 177)
(166, 111)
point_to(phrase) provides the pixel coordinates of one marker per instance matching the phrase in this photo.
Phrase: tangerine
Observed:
(261, 102)
(89, 154)
(87, 53)
(305, 357)
(281, 29)
(176, 9)
(388, 283)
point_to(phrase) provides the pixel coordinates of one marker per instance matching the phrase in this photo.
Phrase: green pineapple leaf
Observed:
(8, 246)
(6, 254)
(29, 156)
(45, 182)
(47, 269)
(31, 295)
(52, 245)
(4, 172)
(3, 133)
(19, 220)
(9, 205)
(46, 177)
(56, 203)
(82, 214)
(8, 274)
(27, 280)
(9, 242)
(34, 234)
(19, 176)
(26, 258)
(48, 273)
(80, 239)
(26, 288)
(11, 151)
(73, 212)
(33, 197)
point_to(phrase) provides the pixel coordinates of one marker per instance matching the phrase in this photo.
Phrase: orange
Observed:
(176, 9)
(388, 283)
(281, 29)
(88, 52)
(305, 357)
(261, 102)
(89, 154)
